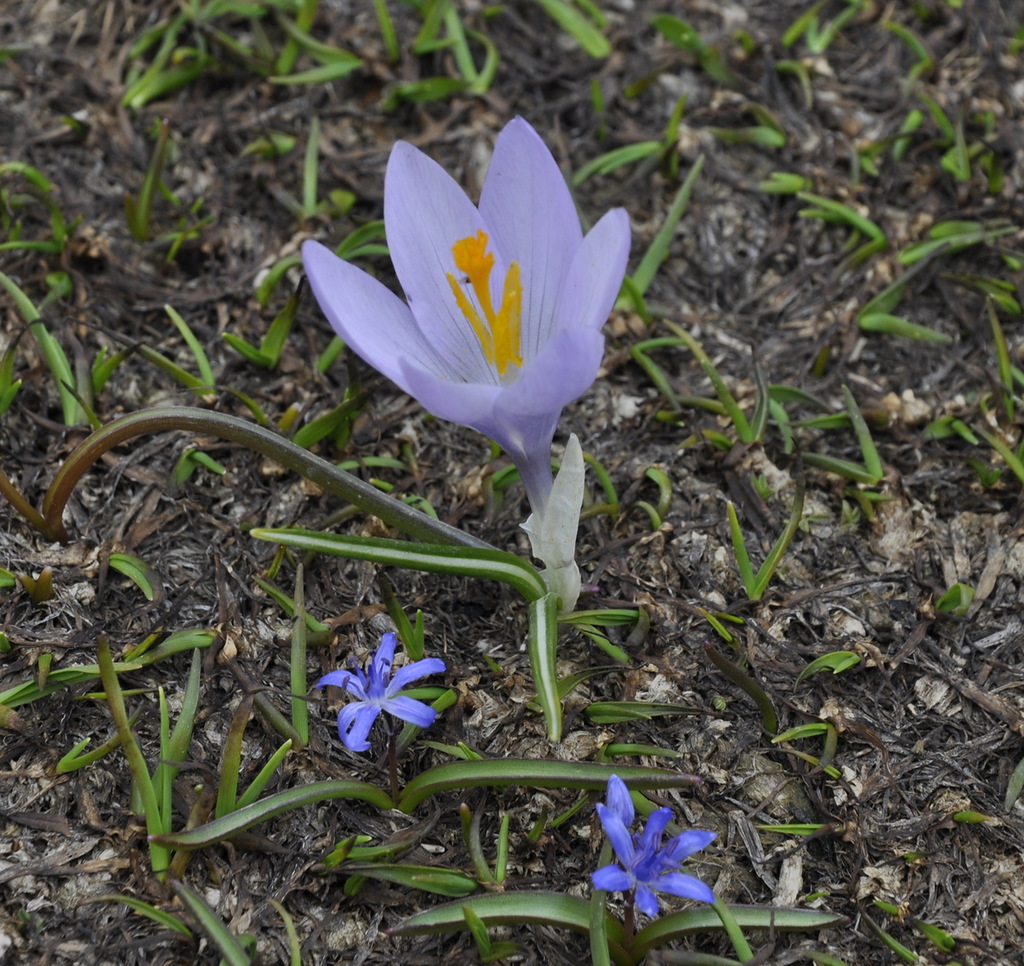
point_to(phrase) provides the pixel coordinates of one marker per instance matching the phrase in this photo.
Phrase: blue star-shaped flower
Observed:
(377, 691)
(645, 866)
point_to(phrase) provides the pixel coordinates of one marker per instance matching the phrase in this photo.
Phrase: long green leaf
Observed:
(532, 773)
(512, 908)
(543, 648)
(431, 558)
(705, 919)
(238, 821)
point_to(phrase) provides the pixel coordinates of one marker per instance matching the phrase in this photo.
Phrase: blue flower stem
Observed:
(393, 760)
(629, 921)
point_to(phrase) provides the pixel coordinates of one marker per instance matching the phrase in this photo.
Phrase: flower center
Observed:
(498, 331)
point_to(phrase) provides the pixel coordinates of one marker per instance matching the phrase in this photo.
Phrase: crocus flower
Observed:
(505, 301)
(377, 691)
(645, 866)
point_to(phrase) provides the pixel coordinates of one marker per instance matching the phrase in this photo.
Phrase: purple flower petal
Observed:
(612, 879)
(411, 710)
(687, 886)
(522, 181)
(561, 372)
(467, 403)
(403, 677)
(655, 828)
(384, 656)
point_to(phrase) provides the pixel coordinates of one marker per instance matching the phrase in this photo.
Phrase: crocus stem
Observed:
(265, 441)
(393, 762)
(628, 922)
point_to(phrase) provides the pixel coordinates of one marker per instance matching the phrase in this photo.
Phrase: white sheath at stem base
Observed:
(552, 532)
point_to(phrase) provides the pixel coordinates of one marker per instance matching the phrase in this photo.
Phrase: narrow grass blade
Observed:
(658, 252)
(739, 677)
(159, 856)
(578, 26)
(232, 951)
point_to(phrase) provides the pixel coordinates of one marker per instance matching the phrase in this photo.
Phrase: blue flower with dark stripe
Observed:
(376, 691)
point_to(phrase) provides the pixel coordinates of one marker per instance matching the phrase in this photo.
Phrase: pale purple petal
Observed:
(467, 403)
(529, 408)
(612, 879)
(617, 834)
(687, 886)
(646, 901)
(368, 316)
(684, 845)
(354, 723)
(527, 206)
(619, 800)
(409, 709)
(403, 677)
(561, 372)
(426, 212)
(594, 278)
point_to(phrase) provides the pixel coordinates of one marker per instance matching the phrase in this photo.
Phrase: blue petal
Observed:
(621, 841)
(413, 672)
(354, 723)
(684, 845)
(409, 709)
(612, 879)
(352, 681)
(655, 828)
(687, 886)
(646, 900)
(619, 801)
(336, 679)
(384, 656)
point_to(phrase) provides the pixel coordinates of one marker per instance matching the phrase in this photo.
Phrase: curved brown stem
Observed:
(16, 498)
(264, 441)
